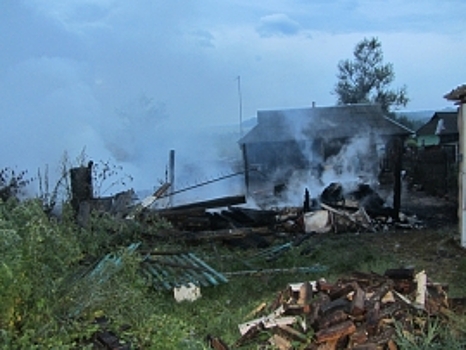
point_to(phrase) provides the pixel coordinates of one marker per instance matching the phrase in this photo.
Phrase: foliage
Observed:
(424, 334)
(12, 183)
(49, 196)
(35, 256)
(107, 175)
(366, 79)
(49, 302)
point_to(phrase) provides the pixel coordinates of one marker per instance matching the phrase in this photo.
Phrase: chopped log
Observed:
(316, 307)
(305, 294)
(293, 333)
(357, 303)
(335, 332)
(372, 319)
(280, 342)
(294, 310)
(380, 292)
(400, 274)
(337, 304)
(367, 346)
(216, 343)
(279, 321)
(331, 319)
(421, 280)
(358, 338)
(250, 334)
(324, 286)
(341, 291)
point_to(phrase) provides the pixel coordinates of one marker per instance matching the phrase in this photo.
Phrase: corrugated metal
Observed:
(168, 271)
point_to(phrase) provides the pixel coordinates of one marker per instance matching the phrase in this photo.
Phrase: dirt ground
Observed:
(435, 247)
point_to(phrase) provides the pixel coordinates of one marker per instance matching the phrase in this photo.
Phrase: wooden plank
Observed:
(335, 332)
(212, 203)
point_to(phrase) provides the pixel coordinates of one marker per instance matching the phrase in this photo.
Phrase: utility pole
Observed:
(240, 107)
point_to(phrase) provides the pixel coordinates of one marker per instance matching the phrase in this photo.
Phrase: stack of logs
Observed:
(361, 311)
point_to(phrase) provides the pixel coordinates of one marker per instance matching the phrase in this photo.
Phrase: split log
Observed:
(331, 319)
(335, 332)
(316, 307)
(280, 342)
(400, 274)
(305, 294)
(372, 320)
(357, 304)
(290, 332)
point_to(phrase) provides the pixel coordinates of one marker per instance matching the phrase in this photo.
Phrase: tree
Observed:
(366, 79)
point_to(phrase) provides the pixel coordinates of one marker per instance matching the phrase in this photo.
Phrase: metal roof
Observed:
(449, 124)
(327, 122)
(168, 271)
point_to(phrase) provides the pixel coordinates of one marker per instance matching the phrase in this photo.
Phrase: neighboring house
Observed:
(437, 156)
(284, 141)
(440, 130)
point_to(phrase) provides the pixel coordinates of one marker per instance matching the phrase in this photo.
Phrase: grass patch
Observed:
(47, 304)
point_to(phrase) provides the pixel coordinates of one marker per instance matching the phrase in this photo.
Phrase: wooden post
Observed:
(398, 159)
(246, 167)
(171, 175)
(462, 173)
(459, 96)
(81, 185)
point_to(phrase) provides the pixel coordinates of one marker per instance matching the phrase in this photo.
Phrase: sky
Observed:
(130, 80)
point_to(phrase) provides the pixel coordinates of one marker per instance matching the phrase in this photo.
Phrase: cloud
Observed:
(277, 24)
(204, 38)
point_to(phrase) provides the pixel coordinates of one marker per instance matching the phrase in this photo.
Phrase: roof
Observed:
(457, 94)
(441, 123)
(328, 122)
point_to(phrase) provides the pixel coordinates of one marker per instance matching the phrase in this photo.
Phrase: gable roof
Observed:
(323, 122)
(441, 123)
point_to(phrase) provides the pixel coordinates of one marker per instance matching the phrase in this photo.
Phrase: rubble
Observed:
(361, 311)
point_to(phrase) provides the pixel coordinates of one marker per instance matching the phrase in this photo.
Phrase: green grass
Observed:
(46, 303)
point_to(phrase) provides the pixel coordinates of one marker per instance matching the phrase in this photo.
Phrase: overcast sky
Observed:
(106, 74)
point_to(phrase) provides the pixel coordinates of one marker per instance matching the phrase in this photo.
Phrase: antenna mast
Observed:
(240, 108)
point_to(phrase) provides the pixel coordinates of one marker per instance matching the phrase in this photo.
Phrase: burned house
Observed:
(355, 138)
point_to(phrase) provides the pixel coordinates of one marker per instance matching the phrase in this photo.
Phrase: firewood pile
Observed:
(361, 311)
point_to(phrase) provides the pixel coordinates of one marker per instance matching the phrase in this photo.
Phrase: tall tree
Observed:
(366, 79)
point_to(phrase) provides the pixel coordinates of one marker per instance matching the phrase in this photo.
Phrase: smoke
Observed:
(357, 161)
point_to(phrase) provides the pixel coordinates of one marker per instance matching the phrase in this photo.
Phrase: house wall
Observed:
(428, 140)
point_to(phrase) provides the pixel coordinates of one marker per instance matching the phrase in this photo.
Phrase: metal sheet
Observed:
(168, 271)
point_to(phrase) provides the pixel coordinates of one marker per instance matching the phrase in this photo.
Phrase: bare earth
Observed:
(435, 248)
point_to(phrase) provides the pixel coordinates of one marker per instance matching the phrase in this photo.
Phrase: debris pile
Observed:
(361, 210)
(361, 311)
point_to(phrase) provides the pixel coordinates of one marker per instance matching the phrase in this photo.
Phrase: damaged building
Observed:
(358, 139)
